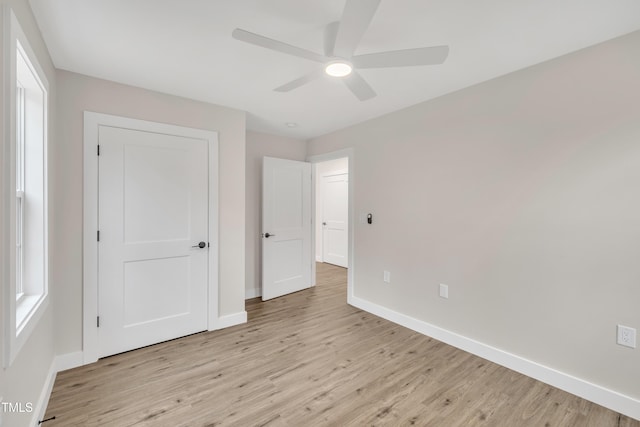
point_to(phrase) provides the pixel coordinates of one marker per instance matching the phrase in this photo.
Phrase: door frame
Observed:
(349, 153)
(92, 122)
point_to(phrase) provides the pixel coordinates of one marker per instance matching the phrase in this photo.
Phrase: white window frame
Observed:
(24, 301)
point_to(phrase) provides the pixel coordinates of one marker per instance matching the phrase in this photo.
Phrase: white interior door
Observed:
(335, 207)
(153, 208)
(286, 227)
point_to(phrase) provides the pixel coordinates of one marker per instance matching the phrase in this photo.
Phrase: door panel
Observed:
(155, 277)
(153, 207)
(286, 217)
(156, 193)
(335, 206)
(287, 196)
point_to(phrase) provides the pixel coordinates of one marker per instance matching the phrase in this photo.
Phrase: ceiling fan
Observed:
(340, 42)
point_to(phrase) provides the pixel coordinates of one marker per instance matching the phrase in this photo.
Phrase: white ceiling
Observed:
(184, 47)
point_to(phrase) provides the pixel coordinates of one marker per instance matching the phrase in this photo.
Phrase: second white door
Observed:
(286, 227)
(335, 213)
(153, 214)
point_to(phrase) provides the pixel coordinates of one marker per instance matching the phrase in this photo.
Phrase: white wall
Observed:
(521, 194)
(28, 378)
(260, 145)
(321, 169)
(78, 93)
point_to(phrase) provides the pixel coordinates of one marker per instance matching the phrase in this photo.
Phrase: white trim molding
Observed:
(69, 361)
(43, 400)
(92, 122)
(231, 320)
(602, 396)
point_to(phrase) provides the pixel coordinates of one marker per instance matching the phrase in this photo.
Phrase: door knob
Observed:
(267, 235)
(200, 245)
(324, 223)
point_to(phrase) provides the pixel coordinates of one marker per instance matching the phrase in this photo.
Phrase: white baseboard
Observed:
(43, 400)
(69, 361)
(231, 320)
(318, 258)
(602, 396)
(252, 293)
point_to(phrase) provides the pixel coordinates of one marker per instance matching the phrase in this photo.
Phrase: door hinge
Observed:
(98, 321)
(98, 235)
(98, 149)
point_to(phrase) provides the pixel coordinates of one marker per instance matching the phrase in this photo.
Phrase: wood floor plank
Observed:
(309, 359)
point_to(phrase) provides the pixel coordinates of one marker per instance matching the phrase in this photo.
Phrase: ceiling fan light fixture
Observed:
(338, 69)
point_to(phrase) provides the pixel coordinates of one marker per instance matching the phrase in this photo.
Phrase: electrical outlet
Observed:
(386, 276)
(626, 336)
(444, 290)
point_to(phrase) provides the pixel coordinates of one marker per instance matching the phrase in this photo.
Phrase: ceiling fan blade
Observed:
(276, 45)
(299, 82)
(356, 18)
(330, 33)
(402, 58)
(359, 86)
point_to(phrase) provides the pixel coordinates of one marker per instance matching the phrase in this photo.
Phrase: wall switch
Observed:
(386, 276)
(626, 336)
(444, 291)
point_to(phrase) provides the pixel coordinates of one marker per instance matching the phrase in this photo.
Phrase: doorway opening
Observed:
(290, 192)
(132, 275)
(334, 169)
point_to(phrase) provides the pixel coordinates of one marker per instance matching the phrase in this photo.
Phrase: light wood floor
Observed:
(309, 359)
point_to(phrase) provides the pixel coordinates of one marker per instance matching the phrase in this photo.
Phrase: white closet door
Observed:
(153, 210)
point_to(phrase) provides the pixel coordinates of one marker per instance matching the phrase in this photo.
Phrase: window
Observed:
(20, 113)
(27, 88)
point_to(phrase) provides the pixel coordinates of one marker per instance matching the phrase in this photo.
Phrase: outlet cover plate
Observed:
(626, 336)
(444, 290)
